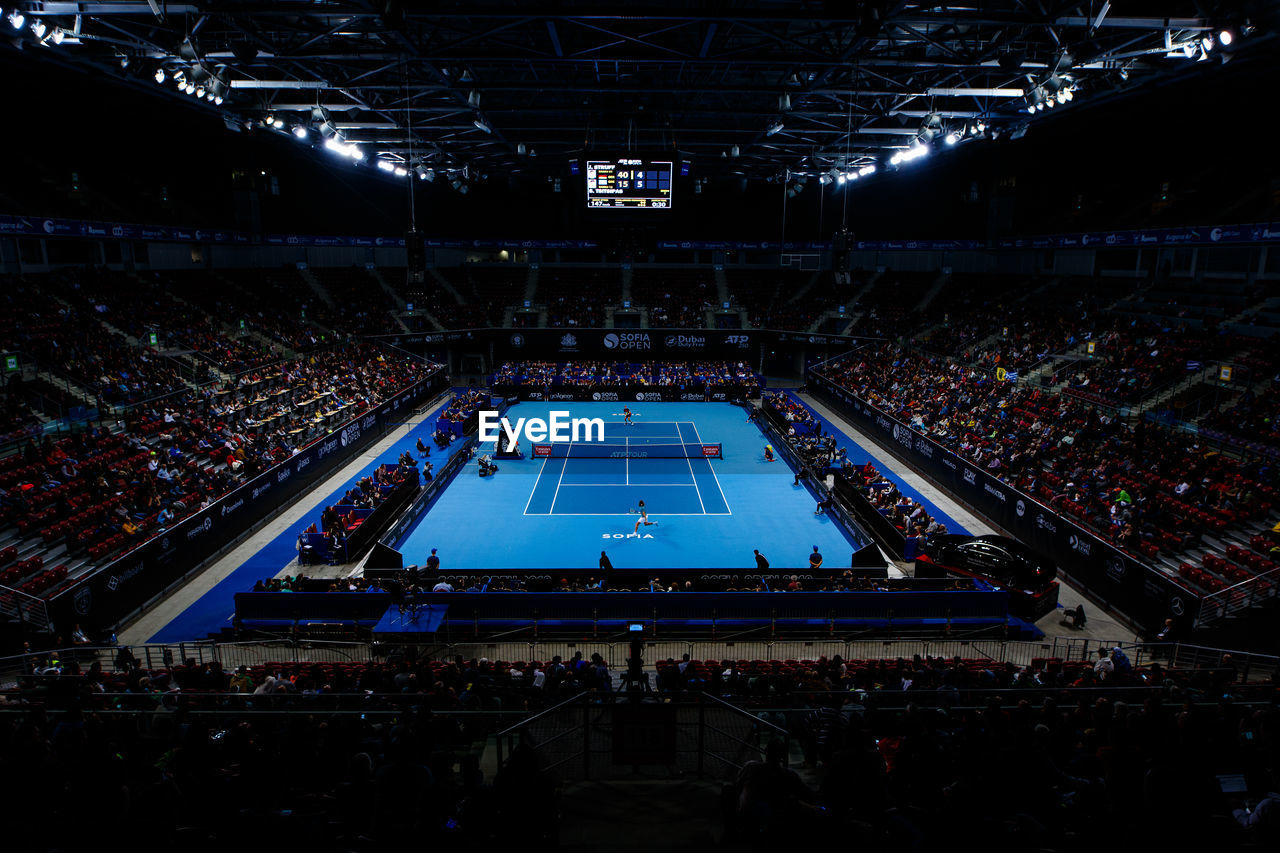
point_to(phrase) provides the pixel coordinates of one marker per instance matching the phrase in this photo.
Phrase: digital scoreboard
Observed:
(629, 183)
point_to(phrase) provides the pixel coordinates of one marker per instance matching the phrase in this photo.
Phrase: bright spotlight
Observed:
(1189, 49)
(300, 132)
(385, 165)
(190, 88)
(58, 35)
(776, 127)
(1207, 43)
(840, 178)
(278, 124)
(867, 170)
(199, 91)
(400, 172)
(1225, 38)
(38, 27)
(159, 75)
(951, 139)
(17, 19)
(851, 175)
(217, 100)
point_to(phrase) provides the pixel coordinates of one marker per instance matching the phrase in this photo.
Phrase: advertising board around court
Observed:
(563, 344)
(691, 393)
(99, 600)
(1142, 593)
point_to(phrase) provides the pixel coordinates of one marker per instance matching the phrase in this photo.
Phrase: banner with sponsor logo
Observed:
(629, 344)
(1139, 591)
(691, 393)
(40, 226)
(104, 597)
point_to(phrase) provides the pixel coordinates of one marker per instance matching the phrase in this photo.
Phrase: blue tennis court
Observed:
(541, 513)
(581, 484)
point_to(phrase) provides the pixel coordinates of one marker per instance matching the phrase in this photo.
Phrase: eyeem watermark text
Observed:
(560, 427)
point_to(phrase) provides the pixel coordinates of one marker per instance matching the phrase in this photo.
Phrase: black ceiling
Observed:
(850, 83)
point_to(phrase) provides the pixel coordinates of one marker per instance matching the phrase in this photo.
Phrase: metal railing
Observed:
(1241, 596)
(164, 655)
(610, 735)
(1252, 666)
(24, 608)
(1018, 652)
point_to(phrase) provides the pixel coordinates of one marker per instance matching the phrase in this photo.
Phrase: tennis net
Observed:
(604, 450)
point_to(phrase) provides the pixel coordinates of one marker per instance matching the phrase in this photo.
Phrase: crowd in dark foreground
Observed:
(901, 754)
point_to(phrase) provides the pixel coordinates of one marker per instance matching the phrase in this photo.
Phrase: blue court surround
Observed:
(487, 522)
(541, 514)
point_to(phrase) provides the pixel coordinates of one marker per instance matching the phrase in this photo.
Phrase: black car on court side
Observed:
(1004, 563)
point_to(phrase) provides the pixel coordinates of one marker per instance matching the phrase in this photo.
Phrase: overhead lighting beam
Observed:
(279, 84)
(949, 91)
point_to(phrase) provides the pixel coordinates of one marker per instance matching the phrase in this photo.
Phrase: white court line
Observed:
(535, 487)
(568, 450)
(712, 468)
(615, 485)
(689, 462)
(632, 515)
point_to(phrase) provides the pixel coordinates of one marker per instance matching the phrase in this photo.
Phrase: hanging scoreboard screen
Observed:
(629, 183)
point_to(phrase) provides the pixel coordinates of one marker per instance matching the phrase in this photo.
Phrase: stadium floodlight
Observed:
(776, 127)
(867, 170)
(17, 19)
(423, 173)
(840, 179)
(58, 35)
(1225, 38)
(300, 131)
(851, 175)
(473, 99)
(217, 100)
(481, 125)
(199, 91)
(400, 172)
(951, 138)
(386, 165)
(278, 124)
(1189, 49)
(190, 88)
(733, 151)
(824, 179)
(1206, 43)
(38, 27)
(160, 75)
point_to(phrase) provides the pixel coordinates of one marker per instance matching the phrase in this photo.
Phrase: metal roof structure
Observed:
(758, 87)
